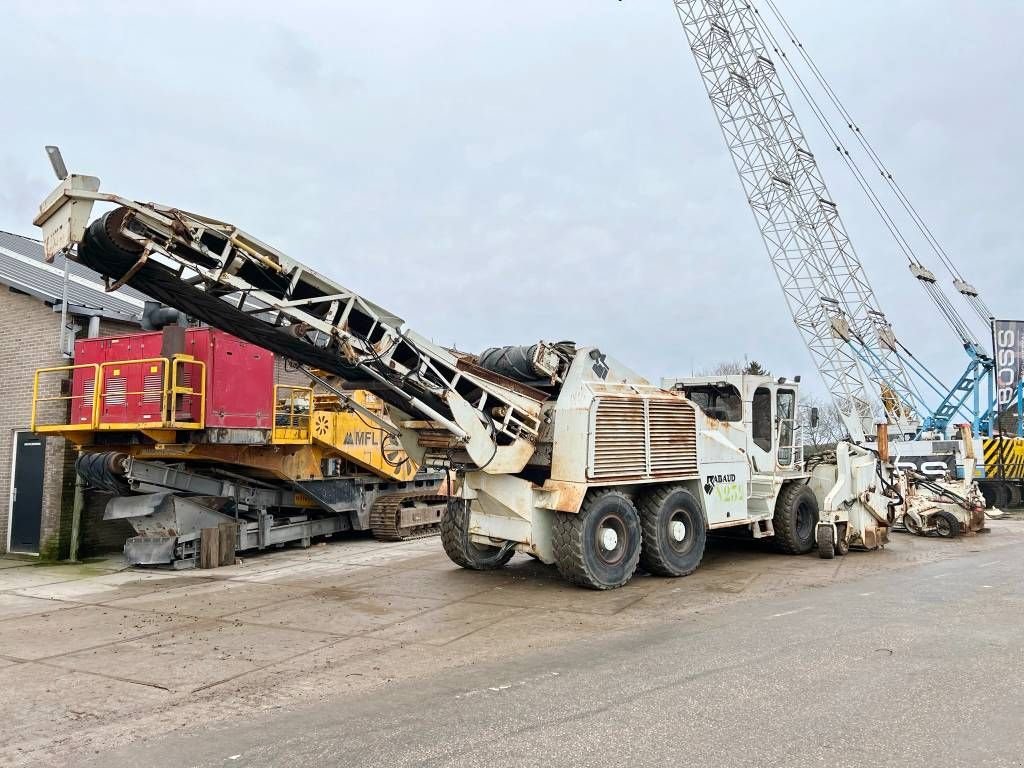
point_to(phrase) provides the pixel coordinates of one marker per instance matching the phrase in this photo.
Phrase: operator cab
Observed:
(756, 413)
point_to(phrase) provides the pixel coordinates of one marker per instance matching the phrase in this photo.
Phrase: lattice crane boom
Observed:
(824, 283)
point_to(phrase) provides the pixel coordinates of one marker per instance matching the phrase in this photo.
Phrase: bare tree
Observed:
(724, 368)
(735, 367)
(829, 428)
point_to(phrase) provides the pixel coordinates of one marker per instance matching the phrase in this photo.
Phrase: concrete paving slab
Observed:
(447, 624)
(210, 599)
(317, 575)
(113, 562)
(107, 587)
(360, 552)
(51, 704)
(155, 576)
(193, 657)
(431, 561)
(73, 629)
(16, 606)
(337, 550)
(338, 611)
(13, 562)
(33, 576)
(451, 584)
(347, 666)
(251, 565)
(406, 553)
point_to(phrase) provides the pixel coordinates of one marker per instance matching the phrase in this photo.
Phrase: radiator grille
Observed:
(635, 438)
(619, 438)
(673, 429)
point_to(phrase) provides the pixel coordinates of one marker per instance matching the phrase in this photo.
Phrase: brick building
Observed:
(35, 516)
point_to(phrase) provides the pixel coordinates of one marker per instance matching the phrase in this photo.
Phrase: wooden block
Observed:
(228, 536)
(209, 548)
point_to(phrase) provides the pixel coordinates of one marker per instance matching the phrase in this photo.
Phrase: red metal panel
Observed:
(83, 383)
(239, 380)
(132, 392)
(87, 351)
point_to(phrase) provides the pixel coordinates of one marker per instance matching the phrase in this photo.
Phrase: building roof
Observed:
(23, 267)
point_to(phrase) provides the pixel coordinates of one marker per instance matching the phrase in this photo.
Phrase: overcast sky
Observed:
(500, 172)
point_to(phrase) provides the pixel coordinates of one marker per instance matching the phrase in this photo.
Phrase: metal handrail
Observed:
(169, 388)
(36, 399)
(297, 429)
(177, 390)
(101, 388)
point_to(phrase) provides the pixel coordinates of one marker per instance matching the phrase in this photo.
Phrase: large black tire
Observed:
(459, 548)
(581, 541)
(674, 532)
(1013, 490)
(826, 542)
(796, 517)
(842, 542)
(947, 525)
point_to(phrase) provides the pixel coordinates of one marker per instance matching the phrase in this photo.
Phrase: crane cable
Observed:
(897, 190)
(869, 149)
(819, 114)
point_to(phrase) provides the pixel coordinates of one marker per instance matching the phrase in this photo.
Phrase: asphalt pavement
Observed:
(920, 667)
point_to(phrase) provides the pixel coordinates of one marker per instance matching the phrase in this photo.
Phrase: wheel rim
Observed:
(805, 521)
(942, 526)
(610, 539)
(679, 528)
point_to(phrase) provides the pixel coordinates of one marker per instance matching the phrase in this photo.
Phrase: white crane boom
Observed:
(824, 283)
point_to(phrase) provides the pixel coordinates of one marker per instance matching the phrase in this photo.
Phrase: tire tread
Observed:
(826, 542)
(785, 533)
(651, 558)
(567, 542)
(455, 541)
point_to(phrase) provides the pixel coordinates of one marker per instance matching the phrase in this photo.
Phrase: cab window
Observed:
(719, 401)
(785, 409)
(762, 418)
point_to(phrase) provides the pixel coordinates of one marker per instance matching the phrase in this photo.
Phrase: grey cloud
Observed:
(502, 172)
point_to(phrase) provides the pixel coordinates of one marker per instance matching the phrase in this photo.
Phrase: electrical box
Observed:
(138, 383)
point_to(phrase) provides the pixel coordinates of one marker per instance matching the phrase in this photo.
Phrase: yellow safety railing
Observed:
(170, 396)
(189, 390)
(110, 372)
(292, 411)
(53, 402)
